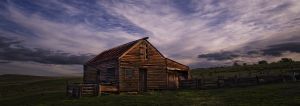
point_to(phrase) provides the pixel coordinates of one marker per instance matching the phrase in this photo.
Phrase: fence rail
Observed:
(77, 90)
(235, 81)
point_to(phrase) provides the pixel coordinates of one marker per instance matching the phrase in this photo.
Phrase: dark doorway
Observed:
(184, 75)
(173, 80)
(142, 79)
(98, 80)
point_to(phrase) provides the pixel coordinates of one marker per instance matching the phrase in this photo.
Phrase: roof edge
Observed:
(136, 41)
(145, 38)
(176, 62)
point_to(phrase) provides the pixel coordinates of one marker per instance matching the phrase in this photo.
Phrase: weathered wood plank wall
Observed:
(134, 60)
(106, 72)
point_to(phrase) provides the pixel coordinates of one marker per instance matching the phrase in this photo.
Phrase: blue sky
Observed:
(54, 37)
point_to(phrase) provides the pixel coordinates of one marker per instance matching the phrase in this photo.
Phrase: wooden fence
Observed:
(77, 90)
(235, 81)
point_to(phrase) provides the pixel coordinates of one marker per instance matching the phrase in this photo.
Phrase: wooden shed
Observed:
(136, 66)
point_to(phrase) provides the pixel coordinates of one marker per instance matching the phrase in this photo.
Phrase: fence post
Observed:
(67, 88)
(294, 77)
(218, 83)
(80, 91)
(95, 90)
(196, 81)
(257, 79)
(235, 80)
(282, 77)
(200, 83)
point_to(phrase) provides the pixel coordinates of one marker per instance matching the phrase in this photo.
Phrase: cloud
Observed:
(220, 31)
(59, 33)
(271, 50)
(4, 62)
(33, 68)
(279, 45)
(65, 32)
(219, 56)
(183, 29)
(278, 49)
(13, 51)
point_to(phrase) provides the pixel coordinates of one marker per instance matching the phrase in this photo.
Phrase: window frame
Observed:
(144, 52)
(111, 71)
(128, 75)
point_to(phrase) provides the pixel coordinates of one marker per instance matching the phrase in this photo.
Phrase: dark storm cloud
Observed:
(252, 52)
(10, 26)
(226, 55)
(283, 43)
(4, 62)
(13, 51)
(271, 50)
(76, 12)
(278, 49)
(178, 28)
(281, 7)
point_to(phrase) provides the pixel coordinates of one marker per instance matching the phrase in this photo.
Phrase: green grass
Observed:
(18, 90)
(31, 90)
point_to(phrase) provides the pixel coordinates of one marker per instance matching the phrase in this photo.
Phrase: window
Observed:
(98, 76)
(144, 51)
(128, 73)
(110, 74)
(141, 51)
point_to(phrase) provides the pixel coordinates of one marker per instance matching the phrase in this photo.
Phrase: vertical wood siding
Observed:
(125, 76)
(106, 74)
(134, 60)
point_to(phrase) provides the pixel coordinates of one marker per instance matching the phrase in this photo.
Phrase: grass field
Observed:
(18, 90)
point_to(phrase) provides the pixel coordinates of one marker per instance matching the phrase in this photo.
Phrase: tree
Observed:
(262, 62)
(236, 64)
(286, 60)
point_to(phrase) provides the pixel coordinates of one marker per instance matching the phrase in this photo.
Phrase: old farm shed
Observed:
(136, 66)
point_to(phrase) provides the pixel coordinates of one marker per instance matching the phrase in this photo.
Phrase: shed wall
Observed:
(134, 60)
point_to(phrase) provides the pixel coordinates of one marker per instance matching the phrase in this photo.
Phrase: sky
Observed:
(55, 37)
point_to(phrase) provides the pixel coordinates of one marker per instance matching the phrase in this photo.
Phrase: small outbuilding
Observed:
(136, 66)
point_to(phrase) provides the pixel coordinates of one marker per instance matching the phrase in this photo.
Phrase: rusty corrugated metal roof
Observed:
(114, 53)
(171, 64)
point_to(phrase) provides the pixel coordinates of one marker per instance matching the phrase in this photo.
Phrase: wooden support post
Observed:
(257, 79)
(294, 76)
(80, 91)
(99, 89)
(282, 77)
(67, 88)
(199, 83)
(235, 80)
(218, 83)
(95, 91)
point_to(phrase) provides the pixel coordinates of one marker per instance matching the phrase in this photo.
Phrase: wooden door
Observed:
(142, 80)
(172, 80)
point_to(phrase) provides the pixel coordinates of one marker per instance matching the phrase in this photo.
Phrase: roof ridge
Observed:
(145, 38)
(105, 52)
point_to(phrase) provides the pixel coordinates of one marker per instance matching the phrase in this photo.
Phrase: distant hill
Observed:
(10, 79)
